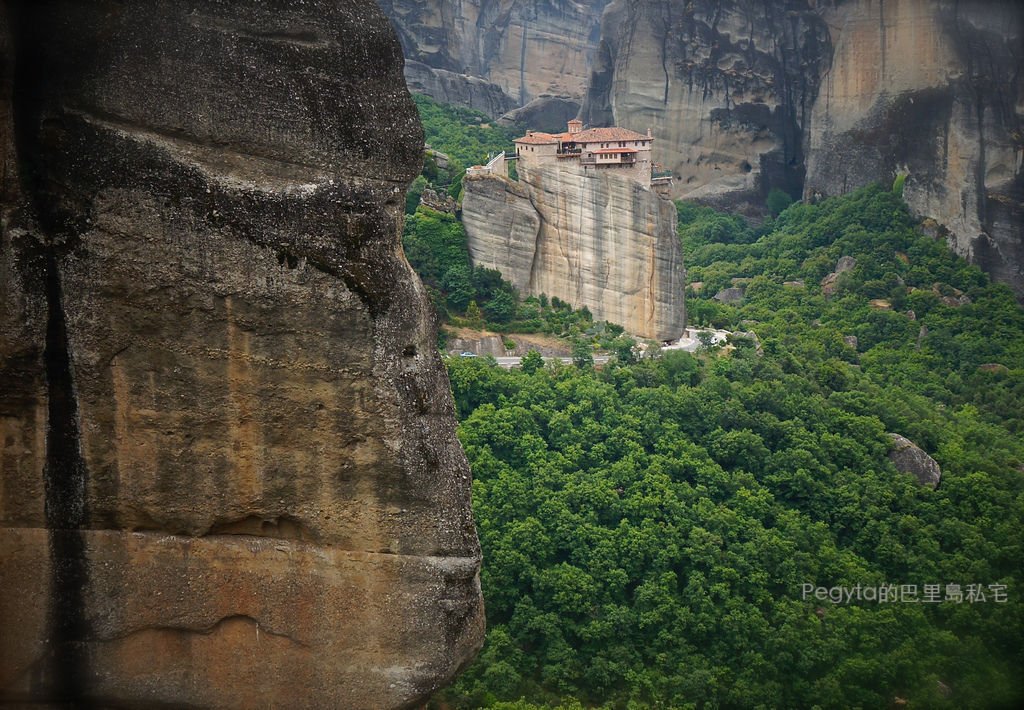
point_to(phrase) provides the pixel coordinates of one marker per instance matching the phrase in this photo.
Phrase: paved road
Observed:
(514, 361)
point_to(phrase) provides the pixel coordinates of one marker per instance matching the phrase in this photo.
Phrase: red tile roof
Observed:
(538, 138)
(591, 135)
(599, 135)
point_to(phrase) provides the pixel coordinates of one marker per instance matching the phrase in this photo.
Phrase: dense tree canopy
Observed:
(462, 133)
(648, 528)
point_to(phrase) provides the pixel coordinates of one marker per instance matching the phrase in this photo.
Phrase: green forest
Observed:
(647, 528)
(651, 529)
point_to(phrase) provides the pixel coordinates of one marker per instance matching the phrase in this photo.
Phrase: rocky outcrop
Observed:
(524, 48)
(822, 98)
(229, 475)
(457, 89)
(909, 458)
(930, 89)
(727, 88)
(496, 345)
(731, 296)
(830, 282)
(548, 113)
(590, 239)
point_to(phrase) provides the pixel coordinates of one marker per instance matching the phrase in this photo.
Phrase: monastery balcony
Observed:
(608, 158)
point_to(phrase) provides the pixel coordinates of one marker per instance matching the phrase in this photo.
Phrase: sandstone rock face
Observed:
(457, 89)
(908, 457)
(726, 86)
(229, 475)
(525, 48)
(931, 89)
(548, 113)
(591, 239)
(822, 98)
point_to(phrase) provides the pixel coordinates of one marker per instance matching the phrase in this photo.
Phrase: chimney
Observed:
(649, 132)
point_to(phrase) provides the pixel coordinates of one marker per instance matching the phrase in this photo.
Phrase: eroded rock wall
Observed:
(524, 48)
(229, 475)
(932, 89)
(591, 239)
(822, 98)
(726, 87)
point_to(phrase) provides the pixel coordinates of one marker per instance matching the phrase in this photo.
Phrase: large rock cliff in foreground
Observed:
(229, 475)
(590, 239)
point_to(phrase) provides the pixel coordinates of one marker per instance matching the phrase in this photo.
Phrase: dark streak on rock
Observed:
(61, 677)
(66, 511)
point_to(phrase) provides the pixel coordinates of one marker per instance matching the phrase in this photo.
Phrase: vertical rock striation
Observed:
(591, 239)
(931, 89)
(229, 475)
(525, 49)
(727, 88)
(822, 98)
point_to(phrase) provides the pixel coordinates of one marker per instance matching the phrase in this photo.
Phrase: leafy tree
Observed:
(582, 353)
(707, 340)
(473, 315)
(458, 284)
(624, 350)
(502, 307)
(531, 362)
(412, 197)
(777, 201)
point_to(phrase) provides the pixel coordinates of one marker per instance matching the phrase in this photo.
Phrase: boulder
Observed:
(731, 296)
(908, 457)
(439, 201)
(845, 263)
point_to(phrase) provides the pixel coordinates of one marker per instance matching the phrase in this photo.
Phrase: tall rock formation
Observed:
(821, 98)
(525, 49)
(933, 89)
(727, 88)
(589, 238)
(229, 475)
